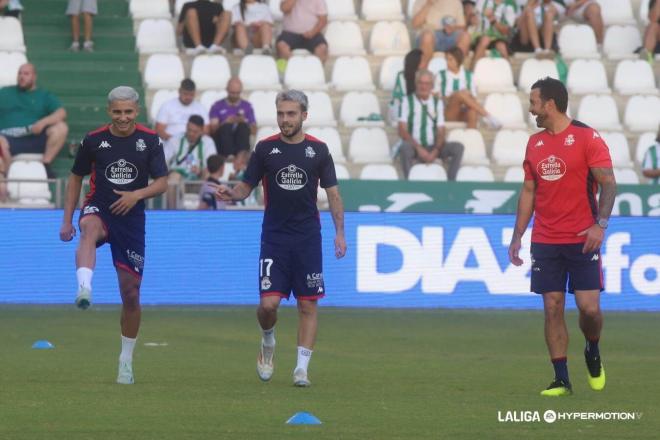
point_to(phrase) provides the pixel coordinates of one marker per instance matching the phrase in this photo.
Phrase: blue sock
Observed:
(592, 347)
(561, 369)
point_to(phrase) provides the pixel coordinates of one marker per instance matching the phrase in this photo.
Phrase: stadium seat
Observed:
(369, 145)
(11, 35)
(259, 72)
(341, 10)
(342, 172)
(28, 193)
(473, 142)
(10, 62)
(621, 41)
(599, 112)
(642, 113)
(305, 72)
(493, 75)
(210, 72)
(514, 174)
(509, 147)
(389, 38)
(344, 38)
(275, 9)
(577, 41)
(532, 70)
(178, 5)
(379, 171)
(352, 73)
(374, 10)
(356, 107)
(141, 9)
(163, 71)
(587, 76)
(320, 109)
(390, 67)
(626, 176)
(331, 137)
(159, 98)
(409, 8)
(478, 173)
(265, 131)
(619, 149)
(437, 63)
(644, 12)
(506, 108)
(634, 77)
(431, 172)
(210, 97)
(644, 141)
(616, 12)
(155, 36)
(263, 103)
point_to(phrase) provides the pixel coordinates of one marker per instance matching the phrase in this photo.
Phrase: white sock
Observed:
(127, 346)
(84, 276)
(304, 356)
(269, 337)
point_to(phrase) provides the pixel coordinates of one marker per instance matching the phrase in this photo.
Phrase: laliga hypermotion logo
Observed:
(551, 168)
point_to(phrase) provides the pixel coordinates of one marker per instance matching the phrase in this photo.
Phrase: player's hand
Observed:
(514, 252)
(67, 232)
(222, 192)
(340, 246)
(125, 203)
(595, 235)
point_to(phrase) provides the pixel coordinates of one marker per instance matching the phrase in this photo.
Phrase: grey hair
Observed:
(123, 93)
(423, 72)
(295, 96)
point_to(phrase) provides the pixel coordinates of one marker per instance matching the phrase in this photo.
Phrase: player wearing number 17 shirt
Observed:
(564, 166)
(290, 166)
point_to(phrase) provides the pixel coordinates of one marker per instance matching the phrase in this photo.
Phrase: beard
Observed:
(290, 130)
(540, 120)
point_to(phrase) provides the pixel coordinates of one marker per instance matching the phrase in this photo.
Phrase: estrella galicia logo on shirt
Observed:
(136, 259)
(291, 178)
(551, 168)
(121, 172)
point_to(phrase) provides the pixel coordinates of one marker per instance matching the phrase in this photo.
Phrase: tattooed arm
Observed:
(595, 233)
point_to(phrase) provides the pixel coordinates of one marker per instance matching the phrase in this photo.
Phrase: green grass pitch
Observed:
(376, 374)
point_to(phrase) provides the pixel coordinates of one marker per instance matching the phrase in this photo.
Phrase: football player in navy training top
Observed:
(291, 165)
(119, 157)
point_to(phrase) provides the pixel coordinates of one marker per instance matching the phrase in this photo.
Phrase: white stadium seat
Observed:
(619, 149)
(374, 10)
(341, 10)
(141, 9)
(532, 70)
(163, 71)
(509, 147)
(264, 132)
(331, 137)
(179, 4)
(644, 12)
(210, 72)
(379, 171)
(626, 176)
(506, 108)
(259, 72)
(263, 103)
(342, 172)
(389, 69)
(352, 73)
(514, 174)
(431, 172)
(210, 97)
(28, 193)
(389, 38)
(493, 75)
(344, 38)
(634, 77)
(359, 105)
(11, 35)
(587, 76)
(478, 173)
(320, 111)
(644, 141)
(475, 148)
(642, 113)
(616, 12)
(369, 145)
(621, 41)
(155, 35)
(577, 41)
(599, 112)
(437, 63)
(10, 62)
(159, 98)
(305, 72)
(275, 9)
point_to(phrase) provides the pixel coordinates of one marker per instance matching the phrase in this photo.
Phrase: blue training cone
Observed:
(303, 418)
(42, 345)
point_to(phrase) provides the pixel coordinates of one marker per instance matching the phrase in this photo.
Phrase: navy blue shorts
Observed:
(297, 41)
(555, 265)
(31, 144)
(125, 235)
(295, 267)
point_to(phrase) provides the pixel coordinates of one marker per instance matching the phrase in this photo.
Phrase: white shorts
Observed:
(578, 15)
(76, 7)
(561, 13)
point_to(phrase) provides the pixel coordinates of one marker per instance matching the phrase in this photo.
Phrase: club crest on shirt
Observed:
(551, 168)
(291, 178)
(570, 140)
(140, 145)
(309, 152)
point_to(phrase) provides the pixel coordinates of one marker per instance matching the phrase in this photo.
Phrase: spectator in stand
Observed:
(32, 119)
(240, 165)
(5, 160)
(232, 121)
(454, 84)
(11, 8)
(215, 167)
(173, 115)
(652, 33)
(538, 21)
(404, 83)
(252, 21)
(587, 11)
(186, 156)
(88, 9)
(204, 24)
(651, 162)
(302, 24)
(441, 25)
(495, 28)
(422, 129)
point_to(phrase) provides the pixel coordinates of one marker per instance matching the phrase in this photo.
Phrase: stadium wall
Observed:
(394, 260)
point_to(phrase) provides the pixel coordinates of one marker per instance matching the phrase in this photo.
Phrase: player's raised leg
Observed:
(307, 327)
(556, 338)
(129, 286)
(591, 324)
(267, 317)
(92, 232)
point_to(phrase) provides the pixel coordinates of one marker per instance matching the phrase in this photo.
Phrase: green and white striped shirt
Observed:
(650, 161)
(448, 82)
(422, 118)
(504, 12)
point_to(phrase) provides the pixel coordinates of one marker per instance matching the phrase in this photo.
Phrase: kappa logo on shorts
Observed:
(265, 283)
(291, 178)
(121, 172)
(140, 145)
(595, 257)
(90, 209)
